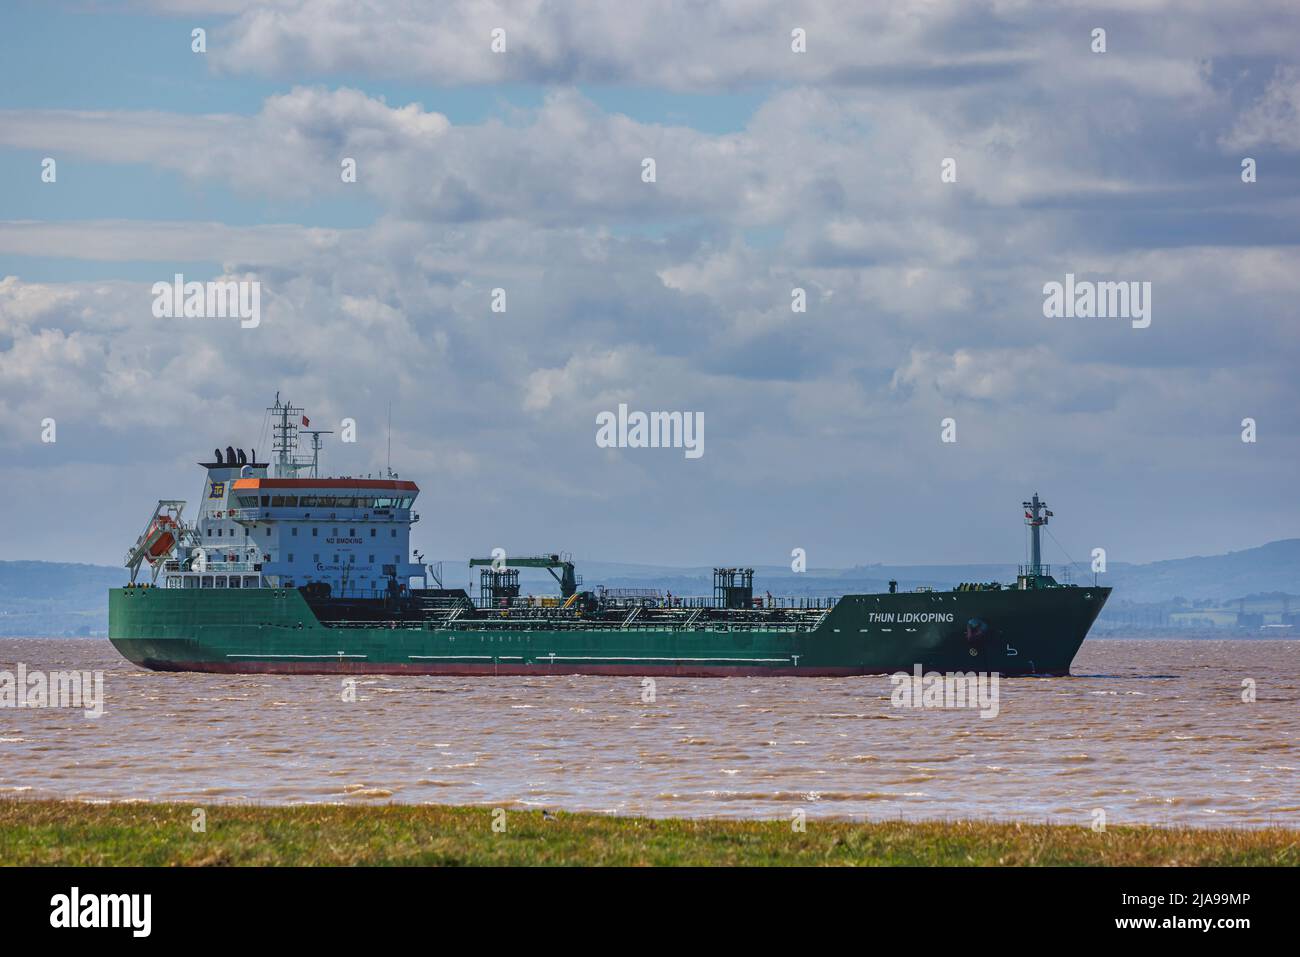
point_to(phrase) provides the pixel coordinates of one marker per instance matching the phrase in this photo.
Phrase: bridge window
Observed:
(207, 581)
(295, 530)
(314, 530)
(372, 533)
(250, 581)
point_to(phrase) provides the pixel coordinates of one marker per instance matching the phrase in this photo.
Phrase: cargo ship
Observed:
(292, 572)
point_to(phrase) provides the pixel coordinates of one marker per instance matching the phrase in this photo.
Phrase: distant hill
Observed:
(1274, 567)
(52, 598)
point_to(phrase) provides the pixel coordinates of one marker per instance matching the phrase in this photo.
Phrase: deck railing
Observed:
(213, 567)
(788, 603)
(581, 624)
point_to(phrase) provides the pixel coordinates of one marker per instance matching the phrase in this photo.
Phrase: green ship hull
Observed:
(301, 573)
(277, 630)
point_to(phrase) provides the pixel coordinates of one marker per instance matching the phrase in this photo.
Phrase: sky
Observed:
(921, 171)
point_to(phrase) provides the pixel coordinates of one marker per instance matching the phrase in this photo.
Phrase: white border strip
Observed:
(545, 659)
(326, 657)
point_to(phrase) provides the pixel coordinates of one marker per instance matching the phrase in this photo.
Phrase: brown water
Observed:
(1152, 731)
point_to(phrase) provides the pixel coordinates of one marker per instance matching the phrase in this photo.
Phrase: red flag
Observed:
(305, 421)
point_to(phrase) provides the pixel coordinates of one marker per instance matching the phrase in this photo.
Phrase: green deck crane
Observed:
(566, 577)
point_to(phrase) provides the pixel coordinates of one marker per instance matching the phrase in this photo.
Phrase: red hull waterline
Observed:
(620, 671)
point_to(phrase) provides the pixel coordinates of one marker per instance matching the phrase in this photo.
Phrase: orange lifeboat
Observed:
(160, 538)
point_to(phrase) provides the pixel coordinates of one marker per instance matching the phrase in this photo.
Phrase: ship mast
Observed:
(284, 429)
(315, 448)
(1036, 516)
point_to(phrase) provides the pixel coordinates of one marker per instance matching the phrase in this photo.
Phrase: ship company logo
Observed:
(1098, 300)
(954, 689)
(651, 430)
(219, 299)
(58, 689)
(75, 909)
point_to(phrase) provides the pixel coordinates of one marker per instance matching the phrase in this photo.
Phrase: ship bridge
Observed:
(292, 529)
(350, 533)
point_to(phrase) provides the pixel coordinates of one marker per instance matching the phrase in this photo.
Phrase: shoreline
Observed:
(383, 798)
(36, 832)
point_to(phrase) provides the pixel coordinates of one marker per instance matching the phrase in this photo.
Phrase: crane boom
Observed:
(567, 578)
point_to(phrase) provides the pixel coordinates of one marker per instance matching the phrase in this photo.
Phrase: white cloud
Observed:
(924, 297)
(1274, 120)
(693, 47)
(182, 241)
